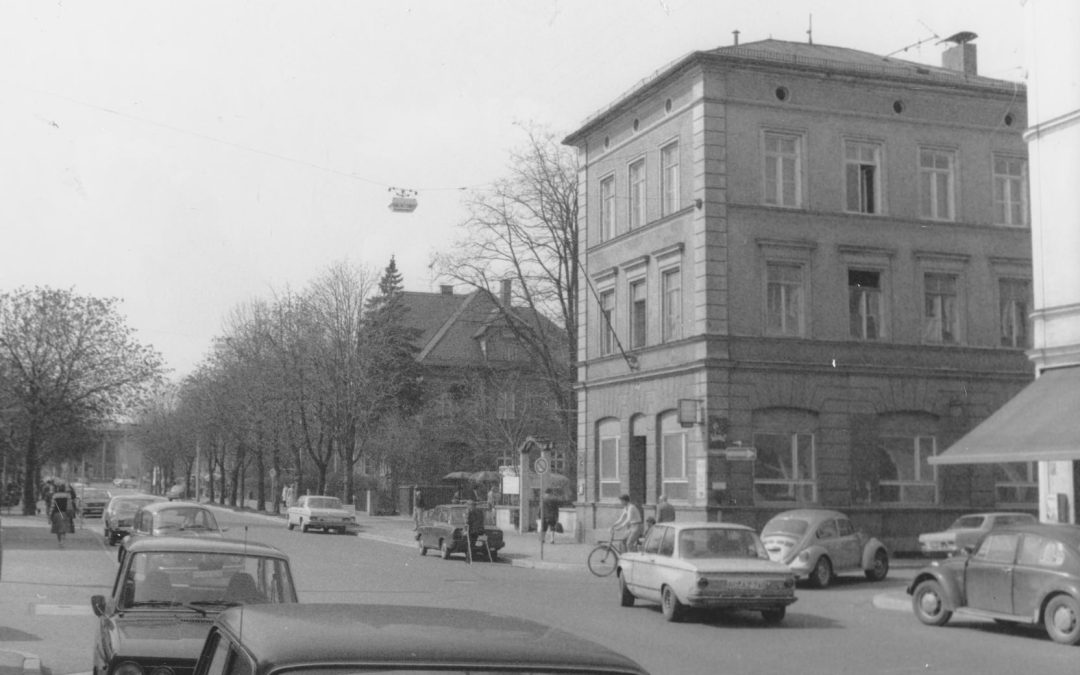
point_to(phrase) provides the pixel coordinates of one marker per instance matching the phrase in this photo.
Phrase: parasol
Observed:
(485, 477)
(457, 476)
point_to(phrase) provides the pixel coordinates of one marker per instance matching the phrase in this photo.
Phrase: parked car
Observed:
(352, 638)
(1023, 574)
(176, 492)
(818, 544)
(176, 519)
(119, 515)
(717, 566)
(443, 529)
(92, 501)
(125, 482)
(321, 513)
(167, 593)
(967, 531)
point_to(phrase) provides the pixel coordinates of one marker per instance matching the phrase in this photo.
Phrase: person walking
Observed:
(62, 514)
(417, 506)
(630, 520)
(549, 514)
(665, 512)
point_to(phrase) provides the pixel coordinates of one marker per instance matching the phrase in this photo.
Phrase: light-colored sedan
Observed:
(818, 544)
(966, 531)
(709, 565)
(321, 513)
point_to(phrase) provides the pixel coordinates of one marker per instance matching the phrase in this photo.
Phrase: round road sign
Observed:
(541, 465)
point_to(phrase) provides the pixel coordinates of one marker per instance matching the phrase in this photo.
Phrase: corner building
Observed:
(806, 270)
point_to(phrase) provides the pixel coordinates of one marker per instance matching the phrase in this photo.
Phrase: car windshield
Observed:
(186, 519)
(793, 526)
(131, 506)
(324, 503)
(156, 579)
(720, 543)
(96, 495)
(968, 523)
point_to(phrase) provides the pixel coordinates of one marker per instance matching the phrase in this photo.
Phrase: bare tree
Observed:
(67, 359)
(524, 229)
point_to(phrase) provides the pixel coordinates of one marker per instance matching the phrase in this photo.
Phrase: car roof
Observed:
(205, 545)
(703, 524)
(1070, 534)
(168, 506)
(137, 496)
(995, 514)
(810, 514)
(354, 634)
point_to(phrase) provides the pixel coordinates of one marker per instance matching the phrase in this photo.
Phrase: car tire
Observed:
(444, 550)
(290, 524)
(775, 615)
(822, 574)
(928, 603)
(1062, 619)
(626, 598)
(669, 604)
(879, 569)
(303, 527)
(420, 543)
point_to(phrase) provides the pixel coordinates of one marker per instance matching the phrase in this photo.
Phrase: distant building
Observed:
(484, 394)
(808, 272)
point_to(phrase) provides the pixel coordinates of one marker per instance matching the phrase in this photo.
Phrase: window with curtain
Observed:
(783, 169)
(669, 178)
(784, 470)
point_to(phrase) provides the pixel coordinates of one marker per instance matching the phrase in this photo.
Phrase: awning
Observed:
(1040, 424)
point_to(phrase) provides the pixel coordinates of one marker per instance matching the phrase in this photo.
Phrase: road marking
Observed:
(61, 610)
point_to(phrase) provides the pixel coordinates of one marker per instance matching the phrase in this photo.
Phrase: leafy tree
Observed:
(67, 360)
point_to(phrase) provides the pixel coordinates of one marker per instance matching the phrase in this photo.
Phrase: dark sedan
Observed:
(171, 519)
(92, 501)
(1023, 574)
(443, 529)
(167, 593)
(316, 639)
(119, 515)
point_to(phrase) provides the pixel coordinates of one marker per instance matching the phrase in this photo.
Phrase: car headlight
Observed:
(128, 668)
(804, 556)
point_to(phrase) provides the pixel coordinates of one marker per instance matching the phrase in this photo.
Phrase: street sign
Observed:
(739, 453)
(540, 465)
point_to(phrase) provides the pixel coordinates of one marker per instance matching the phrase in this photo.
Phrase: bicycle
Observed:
(604, 558)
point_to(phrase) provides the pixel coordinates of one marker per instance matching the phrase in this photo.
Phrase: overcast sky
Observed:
(188, 156)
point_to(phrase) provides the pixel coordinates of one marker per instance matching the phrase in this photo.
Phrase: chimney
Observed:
(446, 289)
(507, 286)
(962, 55)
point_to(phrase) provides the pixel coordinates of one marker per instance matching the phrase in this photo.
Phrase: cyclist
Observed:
(630, 520)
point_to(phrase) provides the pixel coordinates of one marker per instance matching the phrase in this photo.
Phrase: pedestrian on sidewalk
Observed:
(549, 514)
(665, 512)
(62, 514)
(417, 506)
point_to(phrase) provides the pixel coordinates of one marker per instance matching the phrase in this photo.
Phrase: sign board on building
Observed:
(739, 452)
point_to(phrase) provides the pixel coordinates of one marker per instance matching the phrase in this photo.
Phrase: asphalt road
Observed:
(44, 605)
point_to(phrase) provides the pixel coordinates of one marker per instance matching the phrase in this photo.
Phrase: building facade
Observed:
(807, 272)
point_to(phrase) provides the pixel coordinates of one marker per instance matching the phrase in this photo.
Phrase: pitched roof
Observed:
(809, 57)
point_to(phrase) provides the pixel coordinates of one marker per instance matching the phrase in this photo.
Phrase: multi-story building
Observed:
(808, 271)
